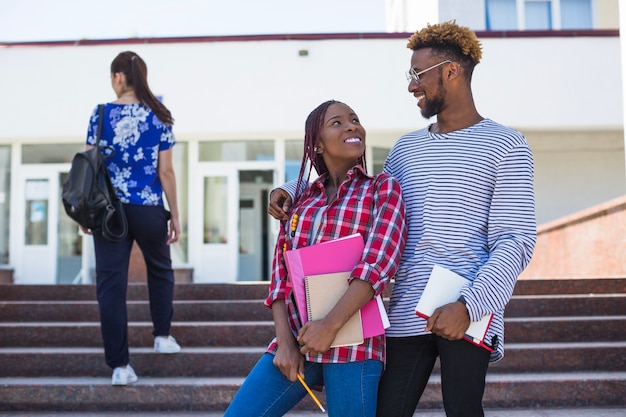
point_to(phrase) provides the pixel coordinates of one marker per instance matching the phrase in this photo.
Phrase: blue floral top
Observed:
(137, 136)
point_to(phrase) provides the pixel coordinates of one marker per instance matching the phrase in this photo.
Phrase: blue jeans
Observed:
(351, 389)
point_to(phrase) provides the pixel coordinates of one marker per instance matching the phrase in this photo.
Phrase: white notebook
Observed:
(443, 287)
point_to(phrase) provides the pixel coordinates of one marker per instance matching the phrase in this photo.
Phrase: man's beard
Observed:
(434, 105)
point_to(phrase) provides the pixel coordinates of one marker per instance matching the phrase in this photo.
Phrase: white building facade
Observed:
(240, 103)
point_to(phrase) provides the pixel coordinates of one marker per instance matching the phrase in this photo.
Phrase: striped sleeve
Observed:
(511, 235)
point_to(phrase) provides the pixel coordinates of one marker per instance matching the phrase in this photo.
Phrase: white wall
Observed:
(256, 87)
(576, 170)
(551, 83)
(264, 89)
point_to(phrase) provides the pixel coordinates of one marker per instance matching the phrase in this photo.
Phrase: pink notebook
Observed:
(337, 255)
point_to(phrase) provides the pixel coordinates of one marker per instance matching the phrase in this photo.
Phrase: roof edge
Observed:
(308, 37)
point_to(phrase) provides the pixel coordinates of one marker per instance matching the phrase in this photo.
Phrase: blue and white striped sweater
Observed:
(470, 208)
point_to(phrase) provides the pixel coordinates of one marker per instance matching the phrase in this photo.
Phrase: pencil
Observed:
(306, 387)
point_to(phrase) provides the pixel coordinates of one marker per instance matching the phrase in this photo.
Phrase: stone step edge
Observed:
(597, 389)
(548, 285)
(261, 300)
(270, 322)
(229, 381)
(261, 349)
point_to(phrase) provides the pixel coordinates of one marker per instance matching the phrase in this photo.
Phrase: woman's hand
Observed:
(174, 231)
(289, 360)
(316, 337)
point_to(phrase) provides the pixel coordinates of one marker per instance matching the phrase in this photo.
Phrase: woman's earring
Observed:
(315, 149)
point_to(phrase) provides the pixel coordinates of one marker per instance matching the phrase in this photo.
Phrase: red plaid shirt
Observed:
(371, 206)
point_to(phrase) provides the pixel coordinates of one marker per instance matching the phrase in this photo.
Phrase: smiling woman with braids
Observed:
(346, 200)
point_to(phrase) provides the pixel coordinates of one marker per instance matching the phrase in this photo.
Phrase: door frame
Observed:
(46, 255)
(219, 262)
(214, 262)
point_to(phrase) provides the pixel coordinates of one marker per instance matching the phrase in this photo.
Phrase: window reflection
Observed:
(293, 159)
(215, 213)
(36, 230)
(244, 150)
(5, 202)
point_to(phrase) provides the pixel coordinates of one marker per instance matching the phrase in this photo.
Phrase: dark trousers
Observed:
(410, 361)
(148, 226)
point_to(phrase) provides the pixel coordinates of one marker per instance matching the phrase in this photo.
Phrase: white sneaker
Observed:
(123, 376)
(166, 344)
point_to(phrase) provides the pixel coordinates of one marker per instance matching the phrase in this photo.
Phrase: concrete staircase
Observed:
(566, 347)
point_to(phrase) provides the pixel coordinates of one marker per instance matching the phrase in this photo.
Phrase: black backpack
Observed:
(88, 195)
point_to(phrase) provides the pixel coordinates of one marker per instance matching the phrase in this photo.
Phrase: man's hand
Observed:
(449, 321)
(280, 204)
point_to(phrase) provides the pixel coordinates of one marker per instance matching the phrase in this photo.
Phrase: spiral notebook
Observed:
(322, 293)
(332, 256)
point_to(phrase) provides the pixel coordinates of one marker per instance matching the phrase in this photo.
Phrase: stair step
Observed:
(575, 389)
(564, 329)
(565, 347)
(87, 311)
(55, 334)
(561, 357)
(570, 286)
(237, 361)
(258, 289)
(87, 292)
(77, 362)
(566, 305)
(255, 310)
(259, 333)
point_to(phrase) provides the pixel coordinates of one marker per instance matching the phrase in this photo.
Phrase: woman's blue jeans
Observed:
(351, 389)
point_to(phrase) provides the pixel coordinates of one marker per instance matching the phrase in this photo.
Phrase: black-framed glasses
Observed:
(414, 75)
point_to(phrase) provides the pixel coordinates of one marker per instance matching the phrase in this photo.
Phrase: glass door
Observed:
(255, 245)
(49, 243)
(214, 243)
(36, 232)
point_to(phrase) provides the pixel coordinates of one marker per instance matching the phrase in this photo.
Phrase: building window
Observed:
(37, 193)
(5, 202)
(501, 15)
(180, 250)
(215, 210)
(538, 14)
(379, 155)
(293, 159)
(57, 153)
(243, 150)
(576, 14)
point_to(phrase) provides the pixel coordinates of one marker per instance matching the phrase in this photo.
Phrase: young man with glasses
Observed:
(467, 182)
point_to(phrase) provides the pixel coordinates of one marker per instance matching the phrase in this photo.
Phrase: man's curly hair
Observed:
(449, 40)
